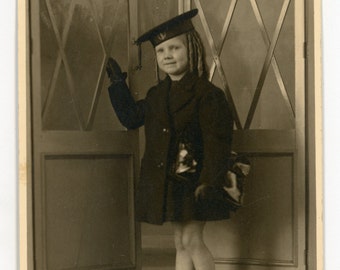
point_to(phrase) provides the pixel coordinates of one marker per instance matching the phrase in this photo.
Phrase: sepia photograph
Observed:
(170, 134)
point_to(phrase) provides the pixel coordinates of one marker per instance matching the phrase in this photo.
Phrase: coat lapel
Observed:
(160, 101)
(182, 92)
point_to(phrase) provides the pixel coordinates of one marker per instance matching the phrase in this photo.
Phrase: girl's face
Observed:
(172, 57)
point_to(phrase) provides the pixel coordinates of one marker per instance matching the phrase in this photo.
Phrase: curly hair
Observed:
(196, 54)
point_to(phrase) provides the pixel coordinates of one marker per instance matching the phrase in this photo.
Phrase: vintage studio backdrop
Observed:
(85, 164)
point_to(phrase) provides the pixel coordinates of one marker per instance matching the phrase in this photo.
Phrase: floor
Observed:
(158, 259)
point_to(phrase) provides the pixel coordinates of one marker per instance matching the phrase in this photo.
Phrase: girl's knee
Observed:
(192, 236)
(189, 236)
(178, 237)
(179, 243)
(192, 242)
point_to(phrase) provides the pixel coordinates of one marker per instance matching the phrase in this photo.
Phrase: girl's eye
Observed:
(159, 50)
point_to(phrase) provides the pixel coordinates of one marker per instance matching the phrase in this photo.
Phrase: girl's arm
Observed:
(130, 113)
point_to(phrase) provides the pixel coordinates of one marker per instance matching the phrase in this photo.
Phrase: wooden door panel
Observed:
(251, 48)
(84, 215)
(262, 232)
(85, 162)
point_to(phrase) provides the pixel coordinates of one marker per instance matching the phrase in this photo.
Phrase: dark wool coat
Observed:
(202, 111)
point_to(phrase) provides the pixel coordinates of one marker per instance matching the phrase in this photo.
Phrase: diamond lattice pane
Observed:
(271, 111)
(285, 54)
(110, 16)
(215, 18)
(60, 114)
(269, 12)
(49, 52)
(61, 12)
(117, 47)
(154, 12)
(85, 56)
(275, 109)
(242, 57)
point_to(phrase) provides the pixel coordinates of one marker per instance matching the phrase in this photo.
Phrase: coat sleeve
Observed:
(129, 112)
(216, 123)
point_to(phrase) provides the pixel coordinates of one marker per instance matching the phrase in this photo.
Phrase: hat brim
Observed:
(169, 29)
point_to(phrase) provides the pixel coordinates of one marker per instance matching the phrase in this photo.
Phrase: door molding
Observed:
(314, 190)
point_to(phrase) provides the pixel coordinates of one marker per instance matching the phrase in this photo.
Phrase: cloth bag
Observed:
(233, 187)
(239, 169)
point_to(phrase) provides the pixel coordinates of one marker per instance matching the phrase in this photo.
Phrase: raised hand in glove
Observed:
(114, 71)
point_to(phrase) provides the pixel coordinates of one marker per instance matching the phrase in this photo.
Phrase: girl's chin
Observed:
(173, 71)
(169, 69)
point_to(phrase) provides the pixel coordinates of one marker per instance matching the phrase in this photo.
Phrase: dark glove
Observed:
(114, 71)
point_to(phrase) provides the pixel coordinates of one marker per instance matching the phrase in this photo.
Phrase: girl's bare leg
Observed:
(183, 258)
(190, 248)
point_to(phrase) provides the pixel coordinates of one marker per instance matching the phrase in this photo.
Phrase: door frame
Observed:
(313, 83)
(314, 155)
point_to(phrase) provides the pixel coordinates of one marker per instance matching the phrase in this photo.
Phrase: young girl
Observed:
(188, 132)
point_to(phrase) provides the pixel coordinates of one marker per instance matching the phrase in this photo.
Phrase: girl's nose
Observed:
(167, 54)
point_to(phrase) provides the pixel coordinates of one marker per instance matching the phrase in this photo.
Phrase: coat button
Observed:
(160, 165)
(165, 130)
